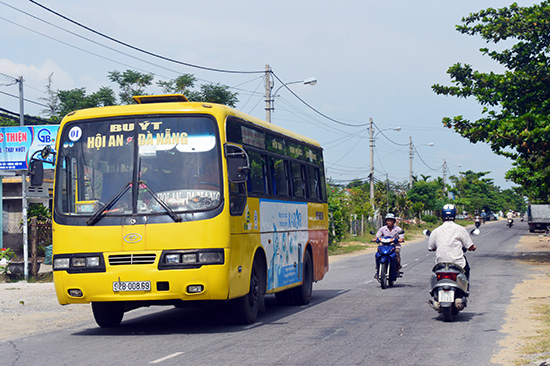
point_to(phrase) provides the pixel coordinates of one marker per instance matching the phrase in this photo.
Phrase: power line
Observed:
(140, 49)
(313, 109)
(11, 115)
(26, 100)
(422, 160)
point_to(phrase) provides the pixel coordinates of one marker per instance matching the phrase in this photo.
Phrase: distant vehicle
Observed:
(538, 217)
(461, 217)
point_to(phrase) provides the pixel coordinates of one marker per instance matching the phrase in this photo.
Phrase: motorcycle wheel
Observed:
(390, 282)
(383, 275)
(448, 314)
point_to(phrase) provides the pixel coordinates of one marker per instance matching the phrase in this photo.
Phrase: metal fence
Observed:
(12, 237)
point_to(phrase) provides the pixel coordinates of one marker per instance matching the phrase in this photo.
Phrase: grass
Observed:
(356, 243)
(538, 346)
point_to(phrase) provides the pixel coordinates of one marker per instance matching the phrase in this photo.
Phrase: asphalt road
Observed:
(350, 321)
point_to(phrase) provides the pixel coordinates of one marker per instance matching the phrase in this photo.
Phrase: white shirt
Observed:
(510, 215)
(448, 241)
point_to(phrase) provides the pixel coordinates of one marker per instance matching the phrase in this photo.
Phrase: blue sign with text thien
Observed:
(17, 144)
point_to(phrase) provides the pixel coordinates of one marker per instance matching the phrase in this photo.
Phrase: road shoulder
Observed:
(521, 321)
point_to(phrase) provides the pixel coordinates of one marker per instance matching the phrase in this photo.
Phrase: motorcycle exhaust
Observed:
(460, 303)
(435, 305)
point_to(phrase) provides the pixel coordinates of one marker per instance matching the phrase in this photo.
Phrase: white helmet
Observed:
(390, 216)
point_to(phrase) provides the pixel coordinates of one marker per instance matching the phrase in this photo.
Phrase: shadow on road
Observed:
(462, 317)
(209, 319)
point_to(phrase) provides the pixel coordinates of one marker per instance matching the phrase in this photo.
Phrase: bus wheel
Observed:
(302, 294)
(246, 307)
(108, 314)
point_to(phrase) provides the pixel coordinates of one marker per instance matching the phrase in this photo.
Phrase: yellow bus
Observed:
(171, 202)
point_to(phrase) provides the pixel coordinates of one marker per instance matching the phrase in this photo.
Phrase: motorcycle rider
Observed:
(477, 218)
(510, 215)
(390, 229)
(483, 216)
(449, 239)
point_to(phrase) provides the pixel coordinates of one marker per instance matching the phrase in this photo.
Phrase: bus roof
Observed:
(174, 103)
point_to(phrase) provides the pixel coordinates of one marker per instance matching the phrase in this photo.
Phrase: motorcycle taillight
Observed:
(446, 276)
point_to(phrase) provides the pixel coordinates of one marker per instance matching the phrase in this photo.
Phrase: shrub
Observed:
(430, 218)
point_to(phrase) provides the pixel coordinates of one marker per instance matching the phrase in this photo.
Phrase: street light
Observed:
(270, 100)
(445, 167)
(411, 154)
(372, 138)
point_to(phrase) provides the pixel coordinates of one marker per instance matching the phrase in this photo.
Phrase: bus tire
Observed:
(302, 294)
(246, 308)
(108, 314)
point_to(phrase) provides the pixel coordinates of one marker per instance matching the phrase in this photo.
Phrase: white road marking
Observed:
(167, 357)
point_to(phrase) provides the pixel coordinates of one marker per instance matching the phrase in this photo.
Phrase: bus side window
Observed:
(298, 180)
(313, 182)
(257, 180)
(279, 176)
(237, 198)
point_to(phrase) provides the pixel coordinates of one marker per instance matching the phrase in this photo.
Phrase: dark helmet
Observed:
(448, 212)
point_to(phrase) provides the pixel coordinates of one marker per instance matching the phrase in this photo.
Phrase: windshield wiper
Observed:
(97, 216)
(163, 204)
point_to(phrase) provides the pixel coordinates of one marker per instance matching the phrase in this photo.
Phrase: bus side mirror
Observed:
(36, 173)
(238, 164)
(36, 166)
(46, 151)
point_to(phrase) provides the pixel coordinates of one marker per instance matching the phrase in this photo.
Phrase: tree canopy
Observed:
(516, 103)
(131, 83)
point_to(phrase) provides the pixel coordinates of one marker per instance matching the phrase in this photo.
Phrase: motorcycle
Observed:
(449, 287)
(386, 259)
(510, 223)
(477, 221)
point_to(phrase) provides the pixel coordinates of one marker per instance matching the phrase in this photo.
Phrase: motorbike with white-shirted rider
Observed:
(451, 275)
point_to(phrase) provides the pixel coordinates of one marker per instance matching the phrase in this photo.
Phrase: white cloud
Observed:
(37, 75)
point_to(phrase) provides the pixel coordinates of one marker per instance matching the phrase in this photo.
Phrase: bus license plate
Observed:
(446, 296)
(131, 286)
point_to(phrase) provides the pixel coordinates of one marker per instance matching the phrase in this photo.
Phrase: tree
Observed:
(214, 93)
(515, 118)
(52, 100)
(131, 83)
(74, 99)
(179, 85)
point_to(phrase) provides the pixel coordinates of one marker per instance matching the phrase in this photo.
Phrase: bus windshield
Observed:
(137, 165)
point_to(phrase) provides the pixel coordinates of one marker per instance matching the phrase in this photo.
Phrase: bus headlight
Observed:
(172, 258)
(93, 262)
(189, 258)
(61, 263)
(177, 259)
(79, 263)
(211, 257)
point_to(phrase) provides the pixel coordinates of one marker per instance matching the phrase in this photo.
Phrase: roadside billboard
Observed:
(18, 144)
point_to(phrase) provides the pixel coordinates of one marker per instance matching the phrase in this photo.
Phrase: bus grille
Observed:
(127, 259)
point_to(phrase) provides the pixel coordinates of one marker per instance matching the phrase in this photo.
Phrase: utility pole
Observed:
(410, 162)
(24, 186)
(444, 175)
(371, 175)
(387, 194)
(268, 87)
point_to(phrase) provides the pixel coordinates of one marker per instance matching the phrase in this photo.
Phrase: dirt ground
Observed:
(521, 323)
(32, 308)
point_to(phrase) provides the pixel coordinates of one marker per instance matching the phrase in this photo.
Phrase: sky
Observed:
(372, 59)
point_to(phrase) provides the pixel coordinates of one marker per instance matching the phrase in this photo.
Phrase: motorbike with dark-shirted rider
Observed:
(386, 260)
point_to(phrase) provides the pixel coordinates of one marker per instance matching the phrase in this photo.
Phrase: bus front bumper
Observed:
(146, 284)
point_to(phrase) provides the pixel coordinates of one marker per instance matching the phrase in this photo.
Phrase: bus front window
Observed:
(172, 160)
